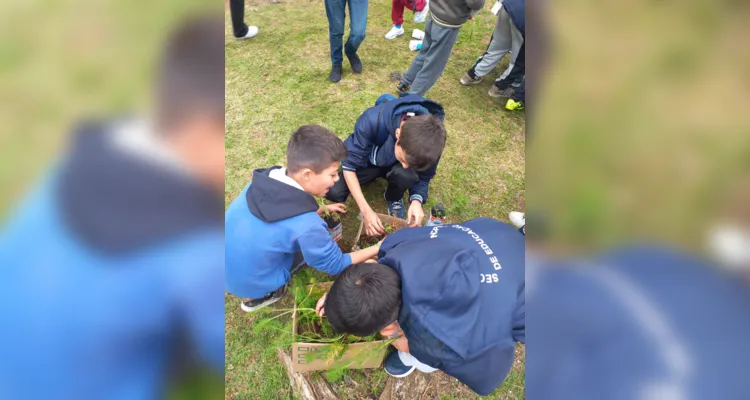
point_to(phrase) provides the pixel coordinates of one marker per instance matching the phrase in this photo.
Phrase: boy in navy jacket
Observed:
(452, 294)
(274, 227)
(397, 139)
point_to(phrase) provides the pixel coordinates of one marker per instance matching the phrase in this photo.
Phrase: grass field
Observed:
(278, 81)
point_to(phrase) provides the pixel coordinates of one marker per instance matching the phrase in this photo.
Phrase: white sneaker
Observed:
(417, 34)
(415, 45)
(421, 16)
(251, 32)
(394, 33)
(517, 218)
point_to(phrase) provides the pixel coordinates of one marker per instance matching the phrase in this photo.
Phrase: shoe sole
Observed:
(391, 38)
(401, 375)
(261, 305)
(470, 83)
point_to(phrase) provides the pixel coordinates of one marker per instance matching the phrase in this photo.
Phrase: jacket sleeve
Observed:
(321, 252)
(359, 144)
(475, 6)
(420, 189)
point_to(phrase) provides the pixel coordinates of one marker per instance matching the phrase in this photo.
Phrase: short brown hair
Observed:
(314, 147)
(190, 78)
(422, 139)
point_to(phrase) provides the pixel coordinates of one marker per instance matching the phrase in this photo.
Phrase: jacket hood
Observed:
(271, 200)
(117, 202)
(410, 103)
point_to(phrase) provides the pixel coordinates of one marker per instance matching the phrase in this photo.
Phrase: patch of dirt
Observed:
(396, 76)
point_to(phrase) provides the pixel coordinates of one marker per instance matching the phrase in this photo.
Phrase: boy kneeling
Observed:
(274, 228)
(452, 294)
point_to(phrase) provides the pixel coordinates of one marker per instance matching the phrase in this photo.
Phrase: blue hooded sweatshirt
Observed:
(637, 323)
(517, 11)
(462, 288)
(108, 264)
(373, 142)
(265, 226)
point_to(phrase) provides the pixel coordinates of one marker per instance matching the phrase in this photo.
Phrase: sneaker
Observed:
(437, 215)
(356, 63)
(251, 32)
(402, 87)
(517, 218)
(467, 79)
(421, 16)
(335, 75)
(417, 34)
(395, 368)
(415, 45)
(502, 95)
(513, 105)
(394, 33)
(396, 208)
(257, 304)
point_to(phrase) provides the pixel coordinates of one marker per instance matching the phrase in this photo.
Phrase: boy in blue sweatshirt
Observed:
(400, 140)
(273, 228)
(112, 270)
(453, 295)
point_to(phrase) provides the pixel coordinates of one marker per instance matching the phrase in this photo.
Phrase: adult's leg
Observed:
(339, 192)
(237, 10)
(520, 93)
(336, 13)
(435, 58)
(399, 181)
(357, 25)
(418, 62)
(500, 45)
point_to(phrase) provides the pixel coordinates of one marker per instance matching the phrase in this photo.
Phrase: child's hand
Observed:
(415, 214)
(401, 344)
(336, 208)
(319, 307)
(373, 225)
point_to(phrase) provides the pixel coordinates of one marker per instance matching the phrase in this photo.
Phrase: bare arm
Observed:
(373, 225)
(364, 254)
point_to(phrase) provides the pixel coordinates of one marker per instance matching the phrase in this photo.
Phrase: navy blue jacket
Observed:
(517, 11)
(374, 139)
(104, 268)
(635, 322)
(462, 288)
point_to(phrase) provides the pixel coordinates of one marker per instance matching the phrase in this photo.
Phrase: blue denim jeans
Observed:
(336, 13)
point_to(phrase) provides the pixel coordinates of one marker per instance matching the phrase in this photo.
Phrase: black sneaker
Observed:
(356, 63)
(257, 304)
(402, 87)
(335, 75)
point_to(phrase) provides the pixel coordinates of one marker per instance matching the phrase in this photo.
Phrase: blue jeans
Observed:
(336, 13)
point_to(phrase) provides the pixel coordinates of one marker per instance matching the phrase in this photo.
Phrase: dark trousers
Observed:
(516, 74)
(237, 9)
(399, 181)
(336, 13)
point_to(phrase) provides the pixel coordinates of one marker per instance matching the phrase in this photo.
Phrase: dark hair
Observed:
(314, 147)
(364, 299)
(422, 139)
(190, 79)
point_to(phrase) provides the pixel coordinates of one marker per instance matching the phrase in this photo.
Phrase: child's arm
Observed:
(373, 225)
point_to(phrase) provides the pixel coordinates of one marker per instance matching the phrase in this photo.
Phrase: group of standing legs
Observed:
(434, 48)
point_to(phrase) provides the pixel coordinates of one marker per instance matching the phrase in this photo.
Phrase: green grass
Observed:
(278, 81)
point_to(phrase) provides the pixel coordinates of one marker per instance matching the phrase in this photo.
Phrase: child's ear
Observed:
(398, 132)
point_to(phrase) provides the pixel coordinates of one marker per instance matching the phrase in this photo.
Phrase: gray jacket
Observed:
(453, 13)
